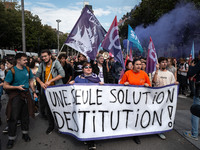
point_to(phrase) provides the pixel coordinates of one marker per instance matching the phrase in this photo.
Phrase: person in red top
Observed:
(136, 76)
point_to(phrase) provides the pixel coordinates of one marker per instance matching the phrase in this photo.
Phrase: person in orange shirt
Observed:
(136, 76)
(50, 72)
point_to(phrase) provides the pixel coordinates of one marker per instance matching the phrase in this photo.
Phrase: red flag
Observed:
(190, 59)
(151, 58)
(122, 72)
(126, 59)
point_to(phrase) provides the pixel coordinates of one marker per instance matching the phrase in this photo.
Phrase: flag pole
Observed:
(54, 63)
(127, 46)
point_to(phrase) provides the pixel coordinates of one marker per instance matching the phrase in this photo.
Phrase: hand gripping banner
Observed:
(94, 112)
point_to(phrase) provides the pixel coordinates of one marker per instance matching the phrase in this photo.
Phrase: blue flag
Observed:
(125, 41)
(134, 39)
(192, 51)
(86, 35)
(112, 43)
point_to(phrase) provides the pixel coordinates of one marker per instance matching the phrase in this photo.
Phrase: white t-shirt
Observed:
(184, 67)
(164, 78)
(100, 75)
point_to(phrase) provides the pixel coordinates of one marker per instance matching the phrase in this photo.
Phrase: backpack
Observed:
(13, 73)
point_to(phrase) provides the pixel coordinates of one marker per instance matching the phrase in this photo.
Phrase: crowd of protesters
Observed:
(25, 79)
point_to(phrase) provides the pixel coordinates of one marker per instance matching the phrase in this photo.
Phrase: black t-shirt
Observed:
(68, 72)
(78, 68)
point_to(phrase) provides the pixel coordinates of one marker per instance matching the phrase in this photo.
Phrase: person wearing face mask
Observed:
(136, 76)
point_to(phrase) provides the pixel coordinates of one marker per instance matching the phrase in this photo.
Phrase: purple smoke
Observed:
(174, 32)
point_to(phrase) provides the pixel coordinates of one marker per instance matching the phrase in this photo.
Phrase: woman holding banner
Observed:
(87, 77)
(136, 76)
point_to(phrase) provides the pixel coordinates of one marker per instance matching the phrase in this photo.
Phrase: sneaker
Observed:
(26, 138)
(188, 134)
(137, 139)
(5, 131)
(10, 144)
(92, 146)
(18, 123)
(49, 130)
(162, 136)
(85, 143)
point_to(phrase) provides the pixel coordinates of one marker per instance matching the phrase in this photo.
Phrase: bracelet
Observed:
(34, 92)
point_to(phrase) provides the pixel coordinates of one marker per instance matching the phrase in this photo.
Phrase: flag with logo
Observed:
(112, 43)
(86, 35)
(134, 39)
(151, 58)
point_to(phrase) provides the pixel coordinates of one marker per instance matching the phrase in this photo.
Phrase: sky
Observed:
(68, 11)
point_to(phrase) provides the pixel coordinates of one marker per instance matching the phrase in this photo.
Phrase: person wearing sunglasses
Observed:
(88, 76)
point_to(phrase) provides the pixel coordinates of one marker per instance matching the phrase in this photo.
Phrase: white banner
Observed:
(92, 112)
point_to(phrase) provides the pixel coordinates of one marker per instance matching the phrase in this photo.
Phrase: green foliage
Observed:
(38, 36)
(148, 12)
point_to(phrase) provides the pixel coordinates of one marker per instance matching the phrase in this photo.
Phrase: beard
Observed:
(163, 68)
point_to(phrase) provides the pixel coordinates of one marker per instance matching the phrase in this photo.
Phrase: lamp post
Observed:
(23, 28)
(58, 21)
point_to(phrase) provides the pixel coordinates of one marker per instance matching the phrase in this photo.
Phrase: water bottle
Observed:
(36, 99)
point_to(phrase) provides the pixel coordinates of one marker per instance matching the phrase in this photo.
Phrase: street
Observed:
(41, 141)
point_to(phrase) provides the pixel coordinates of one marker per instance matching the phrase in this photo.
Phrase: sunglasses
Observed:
(86, 67)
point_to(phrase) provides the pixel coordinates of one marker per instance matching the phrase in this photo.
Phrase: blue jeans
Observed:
(195, 119)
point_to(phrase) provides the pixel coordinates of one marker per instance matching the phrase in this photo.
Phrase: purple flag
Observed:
(112, 42)
(86, 35)
(151, 58)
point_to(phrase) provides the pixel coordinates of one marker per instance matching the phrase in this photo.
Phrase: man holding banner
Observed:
(163, 77)
(50, 72)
